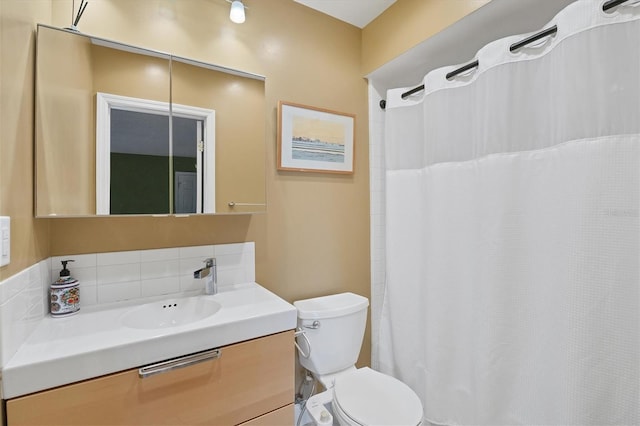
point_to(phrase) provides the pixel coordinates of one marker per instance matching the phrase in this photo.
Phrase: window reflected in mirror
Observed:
(139, 157)
(147, 163)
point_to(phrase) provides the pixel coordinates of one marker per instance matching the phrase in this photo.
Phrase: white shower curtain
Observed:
(512, 287)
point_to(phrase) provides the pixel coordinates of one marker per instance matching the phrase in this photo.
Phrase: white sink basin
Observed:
(99, 341)
(170, 313)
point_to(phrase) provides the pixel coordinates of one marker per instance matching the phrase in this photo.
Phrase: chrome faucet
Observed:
(210, 273)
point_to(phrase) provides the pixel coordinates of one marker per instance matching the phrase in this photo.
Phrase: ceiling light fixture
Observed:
(237, 12)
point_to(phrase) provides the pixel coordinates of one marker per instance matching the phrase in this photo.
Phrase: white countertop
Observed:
(94, 342)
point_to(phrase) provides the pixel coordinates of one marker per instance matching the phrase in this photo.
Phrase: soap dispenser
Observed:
(64, 295)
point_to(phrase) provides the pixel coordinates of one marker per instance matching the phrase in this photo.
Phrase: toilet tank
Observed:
(334, 326)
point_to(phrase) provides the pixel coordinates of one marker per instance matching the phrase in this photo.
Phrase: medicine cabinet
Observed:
(123, 130)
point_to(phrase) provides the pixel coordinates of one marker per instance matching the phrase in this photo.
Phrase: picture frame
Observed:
(314, 139)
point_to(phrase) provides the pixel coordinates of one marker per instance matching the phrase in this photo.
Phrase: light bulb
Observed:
(237, 12)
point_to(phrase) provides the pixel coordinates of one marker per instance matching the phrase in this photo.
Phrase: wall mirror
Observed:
(122, 130)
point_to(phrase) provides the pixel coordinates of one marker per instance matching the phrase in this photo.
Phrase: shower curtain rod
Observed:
(515, 46)
(449, 76)
(542, 34)
(610, 4)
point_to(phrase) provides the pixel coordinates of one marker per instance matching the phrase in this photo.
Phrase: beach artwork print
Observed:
(314, 139)
(317, 140)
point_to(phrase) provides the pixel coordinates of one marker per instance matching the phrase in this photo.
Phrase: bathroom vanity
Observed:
(230, 365)
(248, 380)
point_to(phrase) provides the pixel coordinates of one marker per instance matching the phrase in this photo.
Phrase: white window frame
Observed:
(105, 102)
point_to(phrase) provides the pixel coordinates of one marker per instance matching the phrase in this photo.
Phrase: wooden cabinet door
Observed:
(249, 379)
(280, 417)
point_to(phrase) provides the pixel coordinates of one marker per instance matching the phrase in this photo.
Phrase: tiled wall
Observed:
(114, 277)
(22, 306)
(377, 211)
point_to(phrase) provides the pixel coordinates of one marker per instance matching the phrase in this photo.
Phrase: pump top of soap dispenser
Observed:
(65, 274)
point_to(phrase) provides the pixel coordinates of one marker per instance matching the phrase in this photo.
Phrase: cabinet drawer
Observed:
(280, 417)
(249, 379)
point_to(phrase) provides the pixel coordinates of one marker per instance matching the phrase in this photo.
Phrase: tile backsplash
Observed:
(114, 277)
(126, 275)
(377, 206)
(22, 306)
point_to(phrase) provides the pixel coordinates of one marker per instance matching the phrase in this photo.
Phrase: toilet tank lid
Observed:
(335, 305)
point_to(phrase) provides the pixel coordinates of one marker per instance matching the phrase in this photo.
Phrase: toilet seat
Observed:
(367, 397)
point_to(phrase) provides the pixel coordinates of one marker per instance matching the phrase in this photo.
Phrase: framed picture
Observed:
(315, 139)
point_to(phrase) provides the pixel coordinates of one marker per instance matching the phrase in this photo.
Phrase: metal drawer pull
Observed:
(174, 364)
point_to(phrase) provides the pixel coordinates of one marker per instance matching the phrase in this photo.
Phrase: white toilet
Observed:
(329, 337)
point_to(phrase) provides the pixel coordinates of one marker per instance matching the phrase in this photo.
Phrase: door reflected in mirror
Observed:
(188, 165)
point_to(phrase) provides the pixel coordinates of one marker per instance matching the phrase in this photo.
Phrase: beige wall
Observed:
(239, 105)
(29, 236)
(73, 71)
(314, 238)
(407, 23)
(128, 74)
(65, 153)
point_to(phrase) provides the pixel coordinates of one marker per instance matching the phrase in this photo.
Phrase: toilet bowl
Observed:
(329, 337)
(367, 397)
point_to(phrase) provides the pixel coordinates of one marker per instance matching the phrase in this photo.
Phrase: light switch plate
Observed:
(5, 240)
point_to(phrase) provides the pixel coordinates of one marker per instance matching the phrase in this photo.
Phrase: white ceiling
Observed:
(354, 12)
